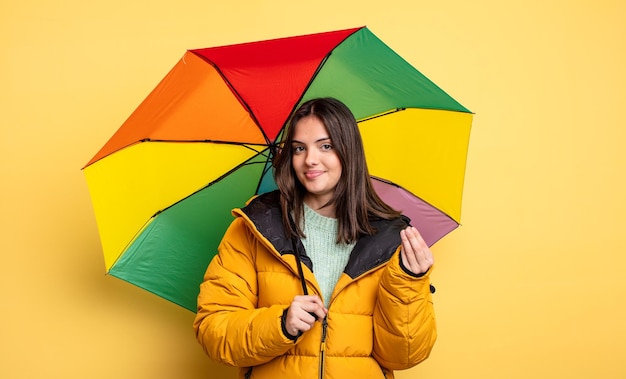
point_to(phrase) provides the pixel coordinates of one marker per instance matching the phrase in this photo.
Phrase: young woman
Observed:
(320, 279)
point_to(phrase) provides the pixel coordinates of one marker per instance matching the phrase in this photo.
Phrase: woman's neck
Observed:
(316, 205)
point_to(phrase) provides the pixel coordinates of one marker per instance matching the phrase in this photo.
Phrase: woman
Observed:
(320, 279)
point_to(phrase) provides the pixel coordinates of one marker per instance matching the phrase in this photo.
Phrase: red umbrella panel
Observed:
(201, 144)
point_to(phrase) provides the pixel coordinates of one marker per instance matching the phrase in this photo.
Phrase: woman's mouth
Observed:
(313, 174)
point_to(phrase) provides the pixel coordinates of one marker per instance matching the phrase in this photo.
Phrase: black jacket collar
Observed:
(369, 252)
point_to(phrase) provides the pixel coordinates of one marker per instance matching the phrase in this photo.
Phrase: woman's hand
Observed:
(303, 312)
(415, 254)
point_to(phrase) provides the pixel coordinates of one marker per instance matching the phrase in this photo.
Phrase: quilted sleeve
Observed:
(228, 325)
(404, 319)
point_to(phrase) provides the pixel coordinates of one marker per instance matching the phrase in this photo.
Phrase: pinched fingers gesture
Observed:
(416, 255)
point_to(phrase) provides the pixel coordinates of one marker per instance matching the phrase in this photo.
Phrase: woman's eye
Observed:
(298, 149)
(327, 146)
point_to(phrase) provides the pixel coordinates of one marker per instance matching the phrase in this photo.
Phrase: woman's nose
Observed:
(311, 157)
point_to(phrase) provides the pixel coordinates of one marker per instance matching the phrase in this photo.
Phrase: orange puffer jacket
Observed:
(379, 319)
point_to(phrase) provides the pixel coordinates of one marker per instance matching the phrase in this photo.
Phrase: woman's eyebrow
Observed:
(316, 141)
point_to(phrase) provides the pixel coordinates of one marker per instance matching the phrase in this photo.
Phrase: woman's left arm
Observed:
(404, 319)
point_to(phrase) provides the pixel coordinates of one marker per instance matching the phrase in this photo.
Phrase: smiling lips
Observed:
(312, 174)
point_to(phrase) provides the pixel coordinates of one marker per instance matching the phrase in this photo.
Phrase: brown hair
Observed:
(354, 199)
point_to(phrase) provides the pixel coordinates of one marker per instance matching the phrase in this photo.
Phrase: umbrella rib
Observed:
(206, 141)
(266, 169)
(245, 144)
(235, 168)
(130, 242)
(237, 95)
(382, 114)
(317, 71)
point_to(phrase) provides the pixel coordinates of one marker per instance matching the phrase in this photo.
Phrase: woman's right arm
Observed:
(228, 325)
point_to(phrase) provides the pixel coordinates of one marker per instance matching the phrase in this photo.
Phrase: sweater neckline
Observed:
(319, 222)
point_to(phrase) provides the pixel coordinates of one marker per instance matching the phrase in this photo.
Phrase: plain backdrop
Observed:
(531, 285)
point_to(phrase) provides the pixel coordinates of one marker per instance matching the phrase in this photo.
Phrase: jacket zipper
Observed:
(323, 348)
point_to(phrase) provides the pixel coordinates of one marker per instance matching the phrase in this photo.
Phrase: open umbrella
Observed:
(201, 144)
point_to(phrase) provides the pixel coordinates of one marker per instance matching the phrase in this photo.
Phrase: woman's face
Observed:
(315, 161)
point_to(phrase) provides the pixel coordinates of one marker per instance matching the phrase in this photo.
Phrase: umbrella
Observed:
(201, 144)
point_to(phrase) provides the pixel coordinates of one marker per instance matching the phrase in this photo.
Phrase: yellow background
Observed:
(532, 285)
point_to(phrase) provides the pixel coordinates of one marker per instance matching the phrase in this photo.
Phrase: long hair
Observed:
(354, 198)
